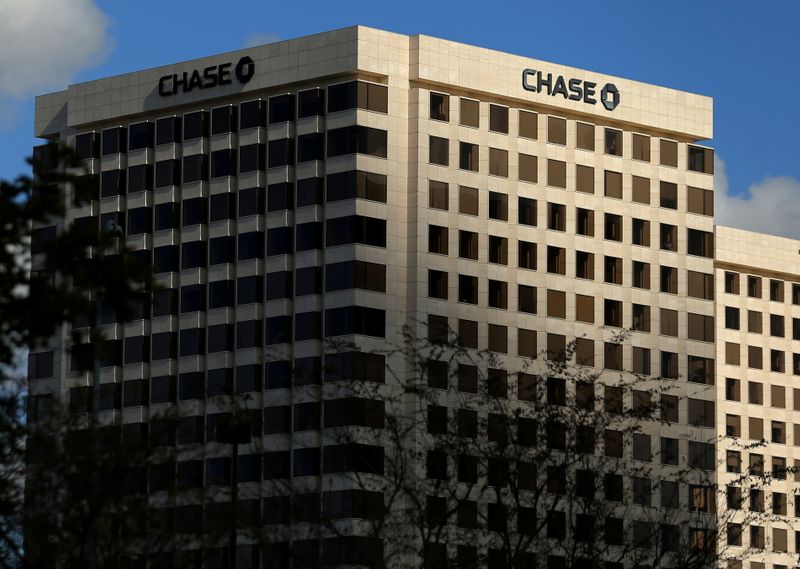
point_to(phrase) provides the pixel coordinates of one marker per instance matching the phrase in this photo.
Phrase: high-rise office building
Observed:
(347, 185)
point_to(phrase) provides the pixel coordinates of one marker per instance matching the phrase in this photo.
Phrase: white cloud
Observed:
(261, 39)
(769, 206)
(46, 43)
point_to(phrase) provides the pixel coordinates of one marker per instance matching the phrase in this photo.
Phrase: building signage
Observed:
(210, 76)
(572, 89)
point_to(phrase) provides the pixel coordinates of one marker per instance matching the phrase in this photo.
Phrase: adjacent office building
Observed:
(348, 184)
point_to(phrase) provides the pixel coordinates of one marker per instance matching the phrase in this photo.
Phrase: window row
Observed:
(755, 393)
(228, 119)
(755, 358)
(465, 334)
(754, 287)
(699, 159)
(755, 320)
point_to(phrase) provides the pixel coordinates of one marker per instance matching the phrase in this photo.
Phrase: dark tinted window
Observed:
(114, 140)
(220, 338)
(249, 289)
(279, 285)
(141, 135)
(248, 334)
(190, 385)
(309, 236)
(278, 330)
(248, 378)
(168, 130)
(222, 206)
(251, 201)
(357, 139)
(221, 250)
(140, 220)
(220, 294)
(278, 374)
(165, 346)
(165, 259)
(87, 145)
(355, 274)
(192, 342)
(356, 184)
(309, 191)
(279, 241)
(356, 229)
(223, 163)
(223, 119)
(251, 245)
(167, 216)
(281, 109)
(112, 183)
(195, 211)
(307, 326)
(193, 298)
(308, 280)
(280, 196)
(355, 320)
(195, 168)
(252, 157)
(310, 147)
(195, 125)
(252, 114)
(193, 255)
(311, 103)
(165, 302)
(140, 178)
(168, 173)
(281, 152)
(163, 389)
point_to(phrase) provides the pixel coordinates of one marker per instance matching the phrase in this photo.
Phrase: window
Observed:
(467, 200)
(669, 322)
(437, 284)
(468, 245)
(527, 299)
(641, 318)
(112, 183)
(754, 321)
(498, 206)
(584, 265)
(362, 185)
(613, 184)
(556, 130)
(585, 136)
(584, 179)
(612, 311)
(251, 245)
(584, 222)
(470, 113)
(193, 255)
(700, 159)
(612, 270)
(440, 107)
(584, 308)
(468, 289)
(527, 211)
(669, 280)
(353, 139)
(701, 413)
(252, 114)
(498, 162)
(556, 216)
(700, 201)
(526, 255)
(356, 229)
(528, 124)
(776, 326)
(439, 152)
(732, 356)
(279, 197)
(641, 189)
(700, 243)
(613, 356)
(310, 147)
(613, 227)
(140, 220)
(700, 370)
(754, 357)
(437, 195)
(701, 285)
(468, 156)
(733, 461)
(556, 304)
(140, 178)
(669, 365)
(498, 250)
(613, 142)
(701, 327)
(641, 360)
(498, 118)
(437, 239)
(310, 192)
(641, 147)
(669, 195)
(641, 275)
(753, 286)
(528, 167)
(358, 94)
(556, 173)
(222, 206)
(195, 212)
(556, 260)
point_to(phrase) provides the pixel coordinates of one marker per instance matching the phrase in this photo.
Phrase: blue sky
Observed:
(744, 55)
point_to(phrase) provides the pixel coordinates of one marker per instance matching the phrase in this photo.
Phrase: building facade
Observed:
(359, 186)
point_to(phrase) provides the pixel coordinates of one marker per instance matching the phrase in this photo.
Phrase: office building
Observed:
(347, 185)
